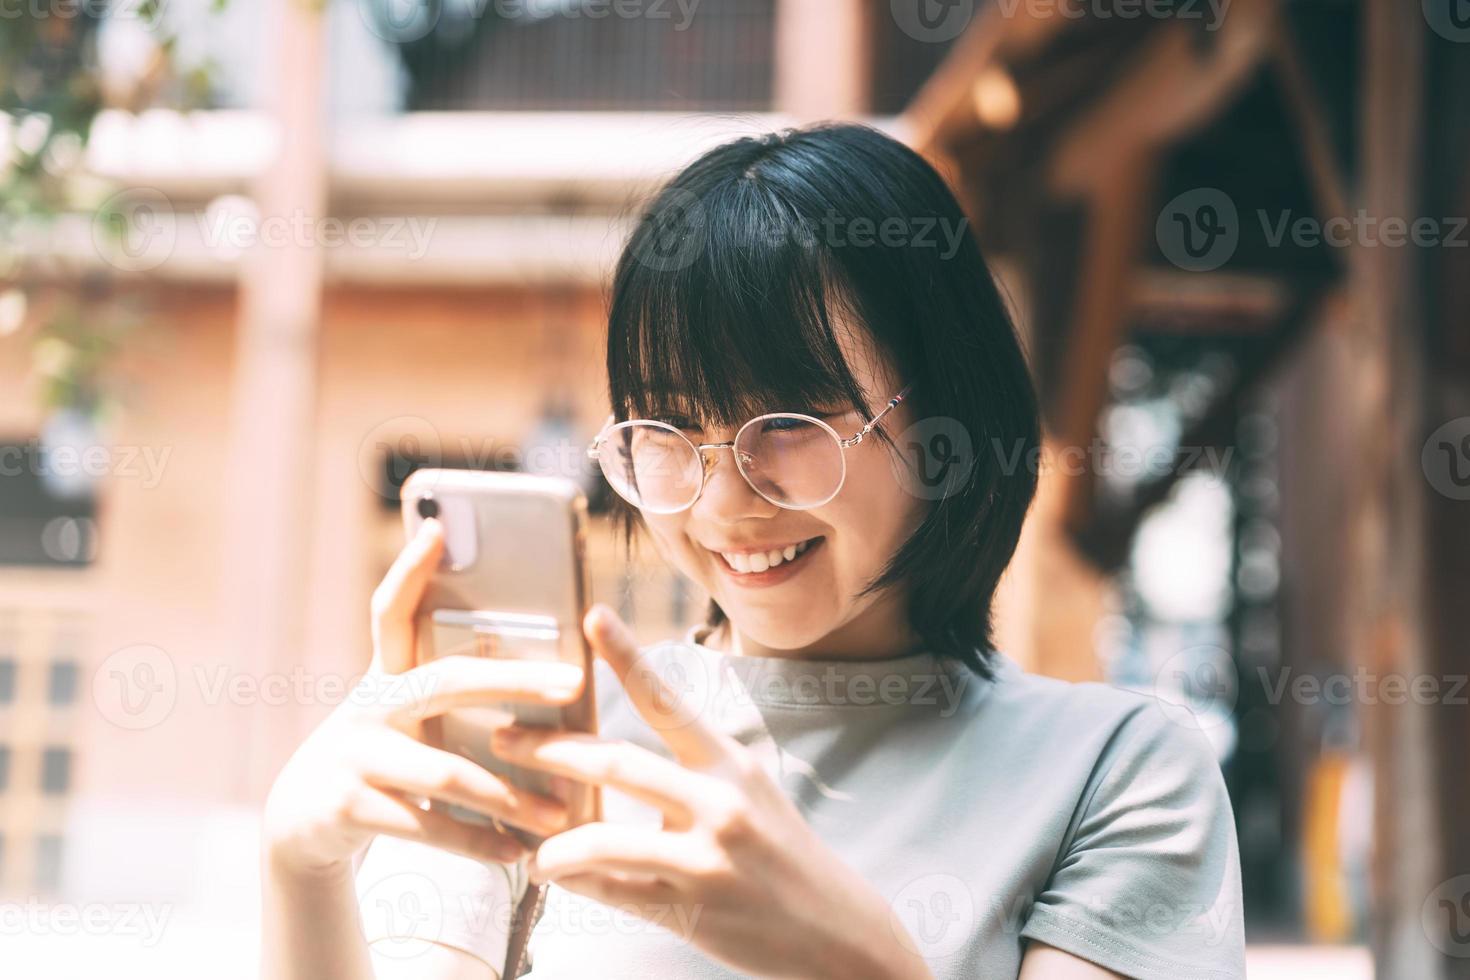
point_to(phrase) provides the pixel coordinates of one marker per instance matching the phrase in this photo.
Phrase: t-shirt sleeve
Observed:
(410, 892)
(1148, 885)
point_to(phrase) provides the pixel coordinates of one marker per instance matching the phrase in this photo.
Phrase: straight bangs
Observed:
(747, 325)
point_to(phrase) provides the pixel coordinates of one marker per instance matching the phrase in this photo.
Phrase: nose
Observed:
(728, 498)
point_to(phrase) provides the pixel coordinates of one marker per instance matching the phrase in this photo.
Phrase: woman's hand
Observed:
(762, 891)
(358, 774)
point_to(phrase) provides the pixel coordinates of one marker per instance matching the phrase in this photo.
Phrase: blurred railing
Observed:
(652, 56)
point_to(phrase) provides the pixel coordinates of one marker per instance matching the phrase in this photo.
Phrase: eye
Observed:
(790, 424)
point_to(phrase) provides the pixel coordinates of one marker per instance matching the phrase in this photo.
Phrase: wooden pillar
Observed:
(1384, 538)
(823, 54)
(273, 388)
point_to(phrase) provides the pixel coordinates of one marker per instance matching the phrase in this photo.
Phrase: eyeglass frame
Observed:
(843, 445)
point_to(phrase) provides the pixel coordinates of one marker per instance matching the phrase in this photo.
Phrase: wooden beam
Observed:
(945, 103)
(1304, 107)
(1176, 87)
(1117, 227)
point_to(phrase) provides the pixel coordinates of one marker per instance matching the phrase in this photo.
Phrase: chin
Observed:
(775, 631)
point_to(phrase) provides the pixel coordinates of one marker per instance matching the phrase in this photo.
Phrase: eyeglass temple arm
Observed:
(892, 404)
(592, 449)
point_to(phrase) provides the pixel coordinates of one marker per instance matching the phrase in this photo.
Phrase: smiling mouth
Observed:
(762, 562)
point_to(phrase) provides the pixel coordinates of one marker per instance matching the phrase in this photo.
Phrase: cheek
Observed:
(667, 533)
(870, 518)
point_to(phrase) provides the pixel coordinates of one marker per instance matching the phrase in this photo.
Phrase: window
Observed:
(55, 770)
(44, 520)
(48, 862)
(63, 688)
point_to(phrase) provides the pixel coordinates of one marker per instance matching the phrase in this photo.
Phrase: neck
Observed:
(879, 632)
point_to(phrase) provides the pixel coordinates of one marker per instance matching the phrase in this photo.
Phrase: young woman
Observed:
(837, 775)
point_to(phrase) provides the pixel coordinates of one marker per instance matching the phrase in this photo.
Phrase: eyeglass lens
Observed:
(787, 459)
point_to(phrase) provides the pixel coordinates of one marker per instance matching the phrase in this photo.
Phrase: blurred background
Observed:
(259, 260)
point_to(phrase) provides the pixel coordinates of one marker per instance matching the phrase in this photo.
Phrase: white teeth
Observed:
(761, 561)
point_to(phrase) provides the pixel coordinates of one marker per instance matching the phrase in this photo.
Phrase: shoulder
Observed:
(1123, 731)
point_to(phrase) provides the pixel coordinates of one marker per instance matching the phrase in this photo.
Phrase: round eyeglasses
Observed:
(794, 461)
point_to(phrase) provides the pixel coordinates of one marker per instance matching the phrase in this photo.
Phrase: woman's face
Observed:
(806, 604)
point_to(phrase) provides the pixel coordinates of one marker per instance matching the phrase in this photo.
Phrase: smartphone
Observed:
(512, 583)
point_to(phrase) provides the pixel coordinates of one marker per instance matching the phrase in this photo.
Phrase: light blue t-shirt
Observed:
(988, 813)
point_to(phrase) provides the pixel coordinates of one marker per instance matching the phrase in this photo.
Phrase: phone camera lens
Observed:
(428, 507)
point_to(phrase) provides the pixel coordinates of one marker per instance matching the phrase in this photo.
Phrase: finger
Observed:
(404, 765)
(651, 898)
(383, 812)
(397, 597)
(460, 682)
(632, 769)
(602, 848)
(692, 741)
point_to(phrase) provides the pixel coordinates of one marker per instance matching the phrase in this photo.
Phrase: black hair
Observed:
(723, 299)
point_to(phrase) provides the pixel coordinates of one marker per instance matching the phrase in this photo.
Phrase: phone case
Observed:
(524, 595)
